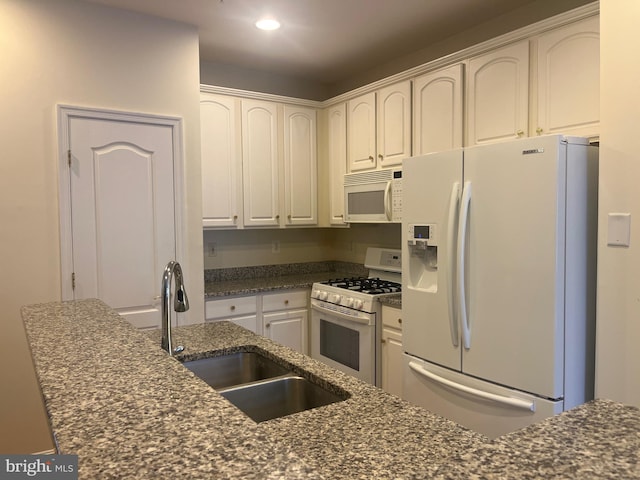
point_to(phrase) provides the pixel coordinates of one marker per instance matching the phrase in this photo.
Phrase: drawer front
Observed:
(392, 317)
(229, 307)
(282, 301)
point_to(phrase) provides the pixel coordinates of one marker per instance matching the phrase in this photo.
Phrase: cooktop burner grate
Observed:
(372, 286)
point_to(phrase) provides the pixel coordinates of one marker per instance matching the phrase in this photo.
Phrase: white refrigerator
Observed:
(498, 295)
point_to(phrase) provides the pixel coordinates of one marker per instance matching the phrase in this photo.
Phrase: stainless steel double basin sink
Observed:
(259, 386)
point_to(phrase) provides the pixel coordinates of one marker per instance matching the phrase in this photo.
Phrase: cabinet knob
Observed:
(380, 156)
(277, 217)
(232, 308)
(235, 218)
(520, 133)
(371, 157)
(399, 320)
(286, 302)
(289, 216)
(268, 325)
(539, 130)
(383, 341)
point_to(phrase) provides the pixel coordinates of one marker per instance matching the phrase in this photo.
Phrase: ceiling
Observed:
(324, 40)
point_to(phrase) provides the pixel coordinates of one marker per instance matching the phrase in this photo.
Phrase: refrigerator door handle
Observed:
(451, 231)
(460, 278)
(387, 201)
(509, 401)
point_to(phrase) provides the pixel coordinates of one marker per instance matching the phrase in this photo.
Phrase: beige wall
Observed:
(231, 76)
(75, 53)
(618, 327)
(255, 247)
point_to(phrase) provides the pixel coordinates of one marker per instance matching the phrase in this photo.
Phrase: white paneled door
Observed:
(121, 211)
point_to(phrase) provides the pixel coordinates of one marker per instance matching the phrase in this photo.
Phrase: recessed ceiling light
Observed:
(268, 24)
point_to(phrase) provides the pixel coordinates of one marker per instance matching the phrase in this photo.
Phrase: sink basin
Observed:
(279, 397)
(259, 386)
(235, 369)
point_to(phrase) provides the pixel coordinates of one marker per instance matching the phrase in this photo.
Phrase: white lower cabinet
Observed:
(240, 310)
(392, 350)
(282, 316)
(285, 318)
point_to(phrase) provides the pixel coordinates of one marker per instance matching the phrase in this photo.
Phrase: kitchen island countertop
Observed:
(130, 411)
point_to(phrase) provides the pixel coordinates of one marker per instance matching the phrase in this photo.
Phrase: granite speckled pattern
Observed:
(394, 300)
(131, 411)
(597, 440)
(251, 280)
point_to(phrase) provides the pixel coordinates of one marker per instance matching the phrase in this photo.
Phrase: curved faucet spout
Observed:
(180, 303)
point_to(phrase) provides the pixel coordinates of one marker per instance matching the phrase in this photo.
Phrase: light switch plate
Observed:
(619, 229)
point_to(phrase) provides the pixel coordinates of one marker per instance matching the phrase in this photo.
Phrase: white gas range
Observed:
(345, 316)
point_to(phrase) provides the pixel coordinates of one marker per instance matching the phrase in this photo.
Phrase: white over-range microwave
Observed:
(374, 196)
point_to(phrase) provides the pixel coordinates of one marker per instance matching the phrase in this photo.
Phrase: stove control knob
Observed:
(322, 295)
(357, 304)
(335, 298)
(348, 302)
(314, 293)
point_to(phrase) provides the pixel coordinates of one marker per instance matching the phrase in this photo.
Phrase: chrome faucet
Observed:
(180, 303)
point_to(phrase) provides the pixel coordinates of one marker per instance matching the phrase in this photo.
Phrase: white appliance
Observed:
(499, 263)
(346, 316)
(374, 196)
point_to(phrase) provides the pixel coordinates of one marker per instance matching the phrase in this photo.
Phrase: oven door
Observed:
(344, 342)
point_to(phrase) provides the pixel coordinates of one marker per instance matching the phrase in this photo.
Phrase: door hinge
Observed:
(69, 157)
(73, 281)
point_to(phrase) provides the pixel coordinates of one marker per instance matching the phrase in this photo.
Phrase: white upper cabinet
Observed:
(437, 110)
(221, 162)
(568, 80)
(300, 166)
(394, 124)
(498, 95)
(379, 128)
(361, 131)
(260, 163)
(337, 151)
(276, 182)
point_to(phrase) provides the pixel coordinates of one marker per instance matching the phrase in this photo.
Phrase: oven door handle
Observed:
(364, 321)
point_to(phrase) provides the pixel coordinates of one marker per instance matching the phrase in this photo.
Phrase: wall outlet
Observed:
(212, 249)
(275, 246)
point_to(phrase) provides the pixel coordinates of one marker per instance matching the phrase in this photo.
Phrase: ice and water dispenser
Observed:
(423, 256)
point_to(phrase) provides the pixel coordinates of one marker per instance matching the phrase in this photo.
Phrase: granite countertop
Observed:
(129, 410)
(253, 280)
(223, 288)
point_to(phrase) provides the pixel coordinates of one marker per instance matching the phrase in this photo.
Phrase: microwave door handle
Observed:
(387, 200)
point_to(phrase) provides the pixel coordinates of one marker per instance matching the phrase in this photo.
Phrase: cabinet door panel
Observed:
(361, 132)
(288, 328)
(498, 95)
(221, 162)
(392, 361)
(437, 111)
(569, 80)
(300, 166)
(394, 124)
(337, 135)
(260, 163)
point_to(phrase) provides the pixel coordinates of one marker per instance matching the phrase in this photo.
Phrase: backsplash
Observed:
(263, 271)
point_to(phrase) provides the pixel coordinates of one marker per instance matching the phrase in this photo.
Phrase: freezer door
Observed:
(480, 406)
(515, 264)
(431, 187)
